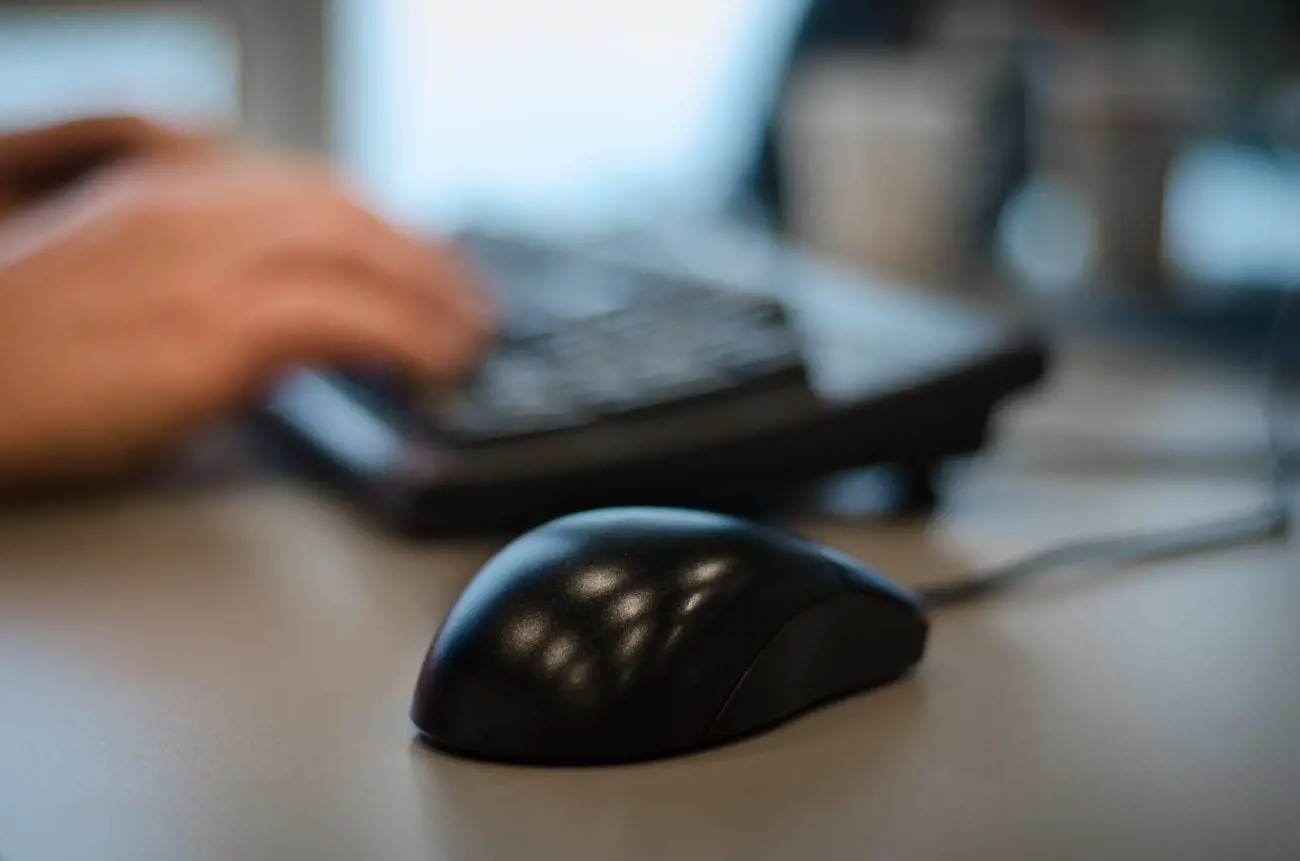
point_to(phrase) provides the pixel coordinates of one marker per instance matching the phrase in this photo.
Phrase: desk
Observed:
(225, 675)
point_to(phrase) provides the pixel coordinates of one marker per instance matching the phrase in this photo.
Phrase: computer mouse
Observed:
(630, 634)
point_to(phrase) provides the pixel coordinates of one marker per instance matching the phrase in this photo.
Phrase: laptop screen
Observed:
(570, 111)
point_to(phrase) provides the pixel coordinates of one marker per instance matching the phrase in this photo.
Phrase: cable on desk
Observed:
(1057, 452)
(1273, 521)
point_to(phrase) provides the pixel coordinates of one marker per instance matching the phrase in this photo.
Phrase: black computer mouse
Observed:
(628, 634)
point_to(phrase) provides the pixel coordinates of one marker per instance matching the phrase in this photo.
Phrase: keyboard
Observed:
(586, 341)
(658, 379)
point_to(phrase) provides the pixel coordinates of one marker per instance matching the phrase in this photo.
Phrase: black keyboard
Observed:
(620, 381)
(585, 341)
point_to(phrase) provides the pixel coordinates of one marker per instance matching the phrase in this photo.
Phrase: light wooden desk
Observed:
(225, 675)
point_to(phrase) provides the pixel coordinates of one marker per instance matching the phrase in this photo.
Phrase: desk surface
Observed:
(224, 674)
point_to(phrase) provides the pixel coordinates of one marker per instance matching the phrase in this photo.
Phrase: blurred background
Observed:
(1144, 153)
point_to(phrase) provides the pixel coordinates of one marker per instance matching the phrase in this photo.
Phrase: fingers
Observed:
(461, 270)
(332, 317)
(136, 136)
(354, 241)
(287, 269)
(290, 217)
(315, 225)
(351, 289)
(109, 136)
(37, 162)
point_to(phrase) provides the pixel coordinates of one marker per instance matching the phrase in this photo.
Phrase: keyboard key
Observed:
(585, 341)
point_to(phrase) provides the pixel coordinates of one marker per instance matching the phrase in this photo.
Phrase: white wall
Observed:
(177, 64)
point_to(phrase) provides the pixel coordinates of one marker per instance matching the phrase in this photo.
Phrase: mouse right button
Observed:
(837, 647)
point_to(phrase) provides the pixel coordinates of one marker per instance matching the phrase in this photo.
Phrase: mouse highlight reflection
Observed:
(628, 634)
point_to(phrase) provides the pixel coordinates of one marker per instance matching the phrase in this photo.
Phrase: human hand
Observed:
(160, 296)
(38, 161)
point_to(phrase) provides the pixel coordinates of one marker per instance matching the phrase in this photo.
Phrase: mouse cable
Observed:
(1273, 521)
